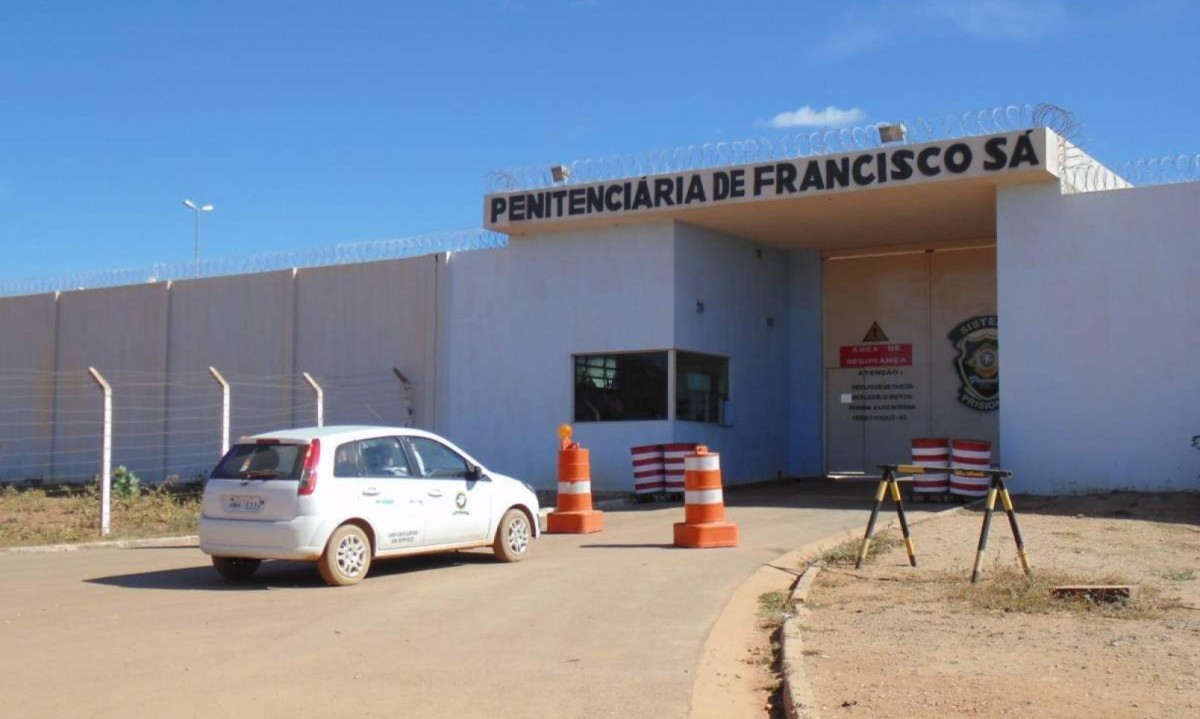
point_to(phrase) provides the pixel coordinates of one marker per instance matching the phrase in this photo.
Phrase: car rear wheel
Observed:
(236, 568)
(347, 557)
(512, 536)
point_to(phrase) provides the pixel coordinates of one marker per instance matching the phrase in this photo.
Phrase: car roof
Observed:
(336, 432)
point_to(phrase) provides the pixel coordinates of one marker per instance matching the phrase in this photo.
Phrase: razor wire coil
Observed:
(341, 254)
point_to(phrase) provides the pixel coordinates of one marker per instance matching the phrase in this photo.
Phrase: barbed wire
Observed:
(1167, 170)
(342, 254)
(946, 126)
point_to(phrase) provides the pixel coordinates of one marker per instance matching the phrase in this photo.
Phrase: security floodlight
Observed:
(892, 133)
(560, 173)
(197, 209)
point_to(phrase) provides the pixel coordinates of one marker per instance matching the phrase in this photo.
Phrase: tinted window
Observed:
(701, 387)
(382, 457)
(622, 386)
(261, 461)
(436, 459)
(346, 460)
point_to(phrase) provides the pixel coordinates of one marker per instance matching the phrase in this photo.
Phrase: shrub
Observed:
(125, 484)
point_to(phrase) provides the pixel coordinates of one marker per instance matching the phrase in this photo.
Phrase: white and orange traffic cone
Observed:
(704, 522)
(573, 513)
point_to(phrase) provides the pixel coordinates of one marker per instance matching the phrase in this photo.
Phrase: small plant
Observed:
(846, 553)
(1180, 575)
(774, 608)
(125, 484)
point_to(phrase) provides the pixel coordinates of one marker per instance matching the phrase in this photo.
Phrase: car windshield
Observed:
(261, 461)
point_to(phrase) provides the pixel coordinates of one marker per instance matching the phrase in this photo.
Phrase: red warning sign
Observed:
(876, 355)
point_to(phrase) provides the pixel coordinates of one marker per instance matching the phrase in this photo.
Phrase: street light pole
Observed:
(197, 209)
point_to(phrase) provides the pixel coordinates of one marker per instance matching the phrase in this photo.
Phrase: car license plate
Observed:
(243, 504)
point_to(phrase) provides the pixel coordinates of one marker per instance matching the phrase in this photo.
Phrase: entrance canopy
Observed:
(893, 195)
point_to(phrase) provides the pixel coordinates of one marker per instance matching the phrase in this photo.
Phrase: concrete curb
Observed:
(188, 540)
(799, 700)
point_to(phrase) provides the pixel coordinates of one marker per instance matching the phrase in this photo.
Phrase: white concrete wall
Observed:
(355, 323)
(1100, 304)
(243, 326)
(122, 332)
(348, 326)
(806, 383)
(741, 285)
(516, 315)
(27, 344)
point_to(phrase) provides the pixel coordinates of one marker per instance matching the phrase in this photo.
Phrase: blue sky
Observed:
(310, 124)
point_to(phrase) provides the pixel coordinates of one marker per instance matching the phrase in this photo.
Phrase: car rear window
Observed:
(261, 461)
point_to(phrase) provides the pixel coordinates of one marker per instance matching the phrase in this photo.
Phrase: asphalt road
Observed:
(601, 625)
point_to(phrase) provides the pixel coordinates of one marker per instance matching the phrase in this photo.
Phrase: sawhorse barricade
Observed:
(996, 487)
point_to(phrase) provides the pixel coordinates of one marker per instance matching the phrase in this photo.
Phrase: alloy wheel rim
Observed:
(350, 555)
(518, 536)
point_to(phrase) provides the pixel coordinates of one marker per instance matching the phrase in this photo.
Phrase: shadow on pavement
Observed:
(628, 546)
(279, 574)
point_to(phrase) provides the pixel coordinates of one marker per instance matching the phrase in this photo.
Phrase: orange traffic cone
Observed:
(573, 513)
(704, 522)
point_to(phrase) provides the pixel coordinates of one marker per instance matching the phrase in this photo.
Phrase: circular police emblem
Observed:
(461, 500)
(978, 362)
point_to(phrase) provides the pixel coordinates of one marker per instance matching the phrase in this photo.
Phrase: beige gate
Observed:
(893, 372)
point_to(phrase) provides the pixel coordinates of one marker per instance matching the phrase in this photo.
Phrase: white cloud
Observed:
(808, 117)
(862, 28)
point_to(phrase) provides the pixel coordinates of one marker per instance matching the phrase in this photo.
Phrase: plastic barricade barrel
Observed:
(673, 466)
(573, 513)
(649, 475)
(933, 452)
(969, 454)
(704, 524)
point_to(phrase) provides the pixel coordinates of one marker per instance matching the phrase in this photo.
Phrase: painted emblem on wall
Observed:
(978, 362)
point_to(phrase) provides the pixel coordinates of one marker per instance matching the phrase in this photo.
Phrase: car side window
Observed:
(436, 460)
(346, 460)
(383, 457)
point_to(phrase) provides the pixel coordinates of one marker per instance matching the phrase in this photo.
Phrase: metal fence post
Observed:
(224, 409)
(105, 454)
(320, 398)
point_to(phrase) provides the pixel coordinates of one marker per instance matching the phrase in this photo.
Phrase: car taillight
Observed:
(308, 477)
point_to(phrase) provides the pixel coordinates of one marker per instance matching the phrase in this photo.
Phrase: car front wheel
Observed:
(512, 536)
(347, 557)
(236, 568)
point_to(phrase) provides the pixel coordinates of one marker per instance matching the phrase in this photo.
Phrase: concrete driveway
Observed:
(601, 625)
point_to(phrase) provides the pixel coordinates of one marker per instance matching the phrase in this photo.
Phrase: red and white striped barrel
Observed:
(673, 455)
(931, 452)
(649, 476)
(969, 454)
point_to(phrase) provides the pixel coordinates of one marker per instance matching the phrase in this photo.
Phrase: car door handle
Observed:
(435, 493)
(370, 492)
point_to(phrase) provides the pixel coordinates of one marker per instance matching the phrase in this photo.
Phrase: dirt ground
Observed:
(890, 640)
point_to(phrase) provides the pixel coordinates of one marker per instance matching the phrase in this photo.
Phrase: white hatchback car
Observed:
(343, 496)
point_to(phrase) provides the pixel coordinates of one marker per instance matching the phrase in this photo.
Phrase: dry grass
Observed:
(846, 553)
(32, 517)
(1007, 589)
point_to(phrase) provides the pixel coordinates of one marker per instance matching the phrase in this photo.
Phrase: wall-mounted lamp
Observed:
(892, 133)
(560, 173)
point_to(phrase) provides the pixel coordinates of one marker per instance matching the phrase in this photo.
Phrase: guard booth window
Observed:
(633, 386)
(701, 387)
(620, 386)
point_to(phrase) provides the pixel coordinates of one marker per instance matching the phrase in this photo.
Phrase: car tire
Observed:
(512, 536)
(347, 557)
(236, 568)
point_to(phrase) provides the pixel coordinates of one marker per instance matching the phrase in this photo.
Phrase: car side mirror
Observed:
(475, 473)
